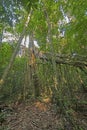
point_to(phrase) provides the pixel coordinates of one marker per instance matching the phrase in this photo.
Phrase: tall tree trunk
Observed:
(51, 48)
(15, 51)
(33, 68)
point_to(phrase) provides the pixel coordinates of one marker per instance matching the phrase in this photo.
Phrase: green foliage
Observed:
(6, 51)
(13, 87)
(9, 11)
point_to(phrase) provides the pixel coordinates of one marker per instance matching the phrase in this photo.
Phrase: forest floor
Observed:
(37, 115)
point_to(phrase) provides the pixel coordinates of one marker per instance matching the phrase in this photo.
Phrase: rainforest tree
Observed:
(58, 67)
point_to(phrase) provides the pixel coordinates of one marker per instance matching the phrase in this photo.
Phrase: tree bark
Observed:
(33, 67)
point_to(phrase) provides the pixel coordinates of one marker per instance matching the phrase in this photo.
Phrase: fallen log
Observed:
(76, 61)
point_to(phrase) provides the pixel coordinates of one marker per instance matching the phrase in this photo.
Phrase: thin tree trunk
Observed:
(2, 80)
(51, 47)
(1, 34)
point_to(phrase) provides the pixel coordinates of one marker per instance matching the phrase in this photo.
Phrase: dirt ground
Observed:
(36, 116)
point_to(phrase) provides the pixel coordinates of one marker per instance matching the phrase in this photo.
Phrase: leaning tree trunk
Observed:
(2, 80)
